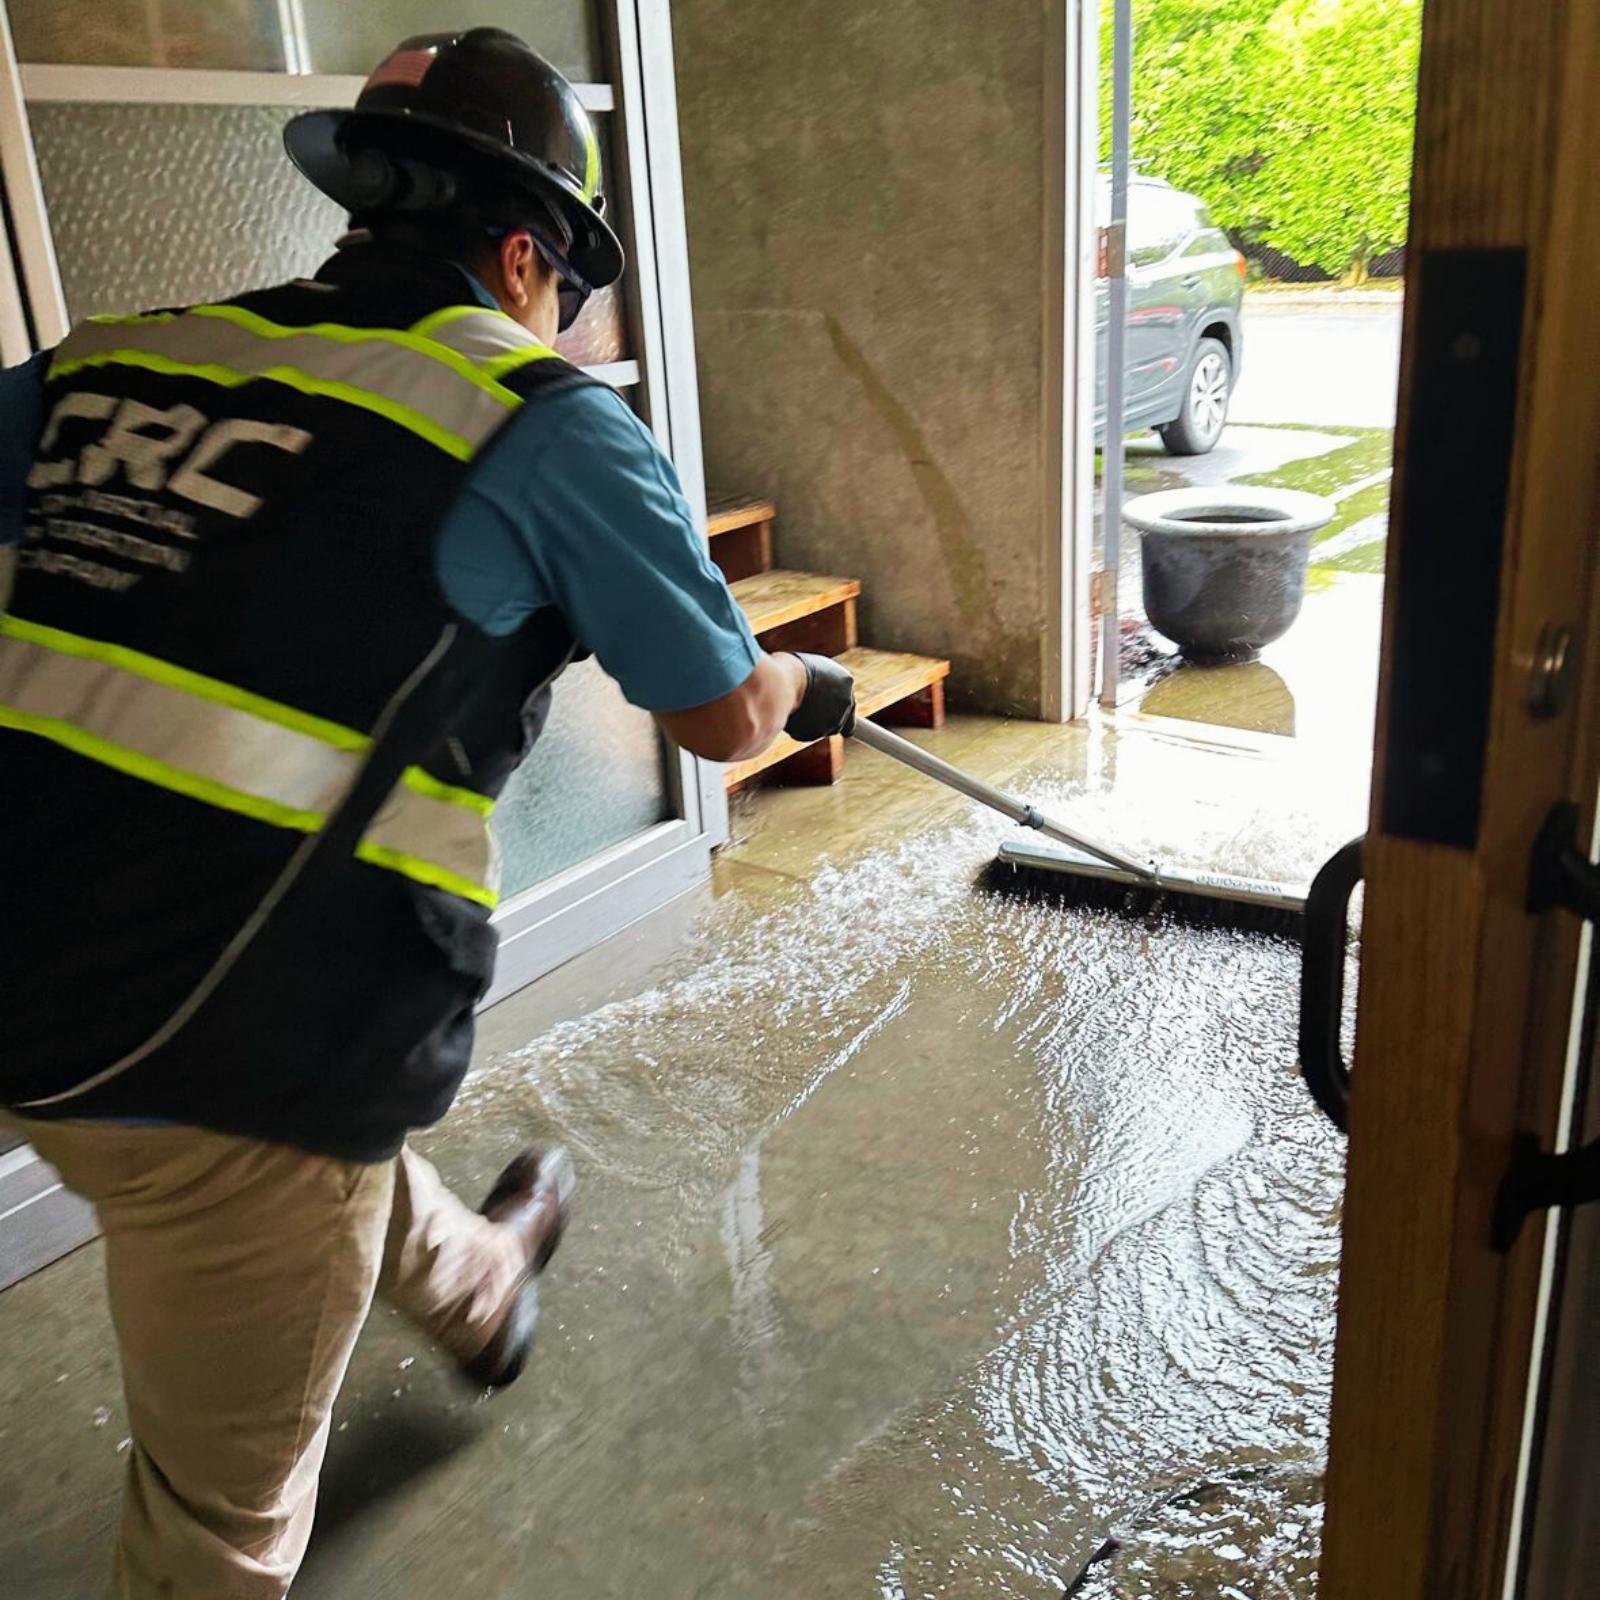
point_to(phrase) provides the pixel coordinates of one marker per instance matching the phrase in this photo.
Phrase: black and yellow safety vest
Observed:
(248, 753)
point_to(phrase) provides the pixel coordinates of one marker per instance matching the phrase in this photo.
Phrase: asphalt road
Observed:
(1318, 362)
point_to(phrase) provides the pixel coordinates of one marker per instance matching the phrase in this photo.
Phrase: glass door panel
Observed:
(597, 776)
(201, 203)
(333, 36)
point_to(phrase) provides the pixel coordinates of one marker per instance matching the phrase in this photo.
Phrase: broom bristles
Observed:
(1151, 904)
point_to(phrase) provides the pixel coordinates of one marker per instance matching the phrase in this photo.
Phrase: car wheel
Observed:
(1206, 393)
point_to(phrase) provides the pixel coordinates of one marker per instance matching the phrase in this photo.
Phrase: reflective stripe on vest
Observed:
(225, 747)
(426, 385)
(490, 340)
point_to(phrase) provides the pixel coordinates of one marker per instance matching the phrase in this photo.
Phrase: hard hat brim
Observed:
(316, 140)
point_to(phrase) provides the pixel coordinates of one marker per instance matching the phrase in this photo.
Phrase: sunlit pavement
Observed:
(1324, 357)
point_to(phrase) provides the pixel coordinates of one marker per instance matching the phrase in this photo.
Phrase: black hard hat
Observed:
(475, 117)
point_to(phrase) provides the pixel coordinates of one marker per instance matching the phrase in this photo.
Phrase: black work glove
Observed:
(829, 703)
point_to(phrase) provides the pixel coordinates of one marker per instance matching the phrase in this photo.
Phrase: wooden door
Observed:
(1466, 1007)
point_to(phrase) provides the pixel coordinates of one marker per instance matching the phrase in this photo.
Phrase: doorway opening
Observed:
(1251, 205)
(1269, 148)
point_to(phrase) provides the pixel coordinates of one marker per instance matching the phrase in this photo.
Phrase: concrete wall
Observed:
(864, 183)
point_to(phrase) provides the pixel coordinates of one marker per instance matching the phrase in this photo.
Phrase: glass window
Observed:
(1213, 241)
(242, 35)
(206, 192)
(600, 334)
(354, 35)
(345, 36)
(1158, 222)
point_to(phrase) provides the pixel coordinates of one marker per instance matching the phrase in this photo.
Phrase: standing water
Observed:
(931, 1241)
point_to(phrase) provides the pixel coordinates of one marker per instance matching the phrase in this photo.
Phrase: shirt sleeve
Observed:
(598, 512)
(21, 418)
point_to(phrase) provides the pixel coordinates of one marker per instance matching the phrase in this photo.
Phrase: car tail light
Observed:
(1241, 264)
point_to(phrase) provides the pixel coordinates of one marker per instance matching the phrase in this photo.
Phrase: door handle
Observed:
(1322, 1062)
(1561, 874)
(1192, 281)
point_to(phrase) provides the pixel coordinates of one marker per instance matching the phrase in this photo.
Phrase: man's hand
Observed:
(828, 703)
(808, 697)
(745, 720)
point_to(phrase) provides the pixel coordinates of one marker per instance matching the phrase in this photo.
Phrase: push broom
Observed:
(1082, 871)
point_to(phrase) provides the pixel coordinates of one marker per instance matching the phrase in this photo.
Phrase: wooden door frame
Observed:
(1465, 1019)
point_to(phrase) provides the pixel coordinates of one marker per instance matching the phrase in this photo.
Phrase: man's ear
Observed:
(518, 266)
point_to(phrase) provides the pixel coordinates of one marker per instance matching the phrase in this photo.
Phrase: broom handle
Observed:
(912, 755)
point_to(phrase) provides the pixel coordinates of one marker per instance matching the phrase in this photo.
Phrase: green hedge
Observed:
(1291, 118)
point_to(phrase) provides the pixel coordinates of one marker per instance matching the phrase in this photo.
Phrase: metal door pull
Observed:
(1559, 874)
(1322, 1062)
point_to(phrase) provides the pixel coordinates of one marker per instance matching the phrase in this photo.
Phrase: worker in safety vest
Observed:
(294, 573)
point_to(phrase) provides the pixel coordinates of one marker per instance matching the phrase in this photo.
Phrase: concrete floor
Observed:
(927, 1236)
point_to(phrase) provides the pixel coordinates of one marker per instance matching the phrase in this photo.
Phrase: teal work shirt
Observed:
(574, 506)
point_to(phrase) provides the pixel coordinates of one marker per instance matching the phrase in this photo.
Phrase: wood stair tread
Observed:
(770, 599)
(727, 512)
(883, 677)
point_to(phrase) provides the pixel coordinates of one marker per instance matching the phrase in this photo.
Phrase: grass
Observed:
(1369, 452)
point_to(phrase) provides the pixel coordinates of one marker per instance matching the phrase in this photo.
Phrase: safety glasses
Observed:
(572, 291)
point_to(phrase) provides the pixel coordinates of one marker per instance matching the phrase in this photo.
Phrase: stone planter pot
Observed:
(1225, 568)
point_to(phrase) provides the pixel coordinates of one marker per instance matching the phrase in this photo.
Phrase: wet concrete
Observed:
(928, 1238)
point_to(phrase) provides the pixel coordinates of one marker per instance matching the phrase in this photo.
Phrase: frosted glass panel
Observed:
(349, 37)
(595, 778)
(599, 335)
(243, 35)
(157, 205)
(202, 203)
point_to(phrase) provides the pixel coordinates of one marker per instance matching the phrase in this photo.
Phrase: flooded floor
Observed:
(929, 1238)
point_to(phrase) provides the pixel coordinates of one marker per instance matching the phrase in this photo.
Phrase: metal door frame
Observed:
(1067, 339)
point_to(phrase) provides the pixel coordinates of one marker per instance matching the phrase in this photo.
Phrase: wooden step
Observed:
(740, 529)
(727, 513)
(800, 610)
(891, 685)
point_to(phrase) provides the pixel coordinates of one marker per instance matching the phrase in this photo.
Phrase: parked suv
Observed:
(1185, 285)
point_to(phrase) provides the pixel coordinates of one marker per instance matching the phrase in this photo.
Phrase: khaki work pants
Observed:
(239, 1274)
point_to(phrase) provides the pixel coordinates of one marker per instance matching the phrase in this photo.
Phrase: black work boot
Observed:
(533, 1195)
